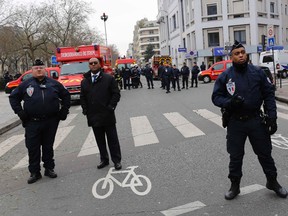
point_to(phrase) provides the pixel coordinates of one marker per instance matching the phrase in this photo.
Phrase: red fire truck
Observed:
(123, 62)
(74, 63)
(156, 60)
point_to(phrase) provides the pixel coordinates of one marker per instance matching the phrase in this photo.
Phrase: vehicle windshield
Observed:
(74, 68)
(268, 58)
(123, 65)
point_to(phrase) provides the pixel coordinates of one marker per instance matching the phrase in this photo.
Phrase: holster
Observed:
(226, 115)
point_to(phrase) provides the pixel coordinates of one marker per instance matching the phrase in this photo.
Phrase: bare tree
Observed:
(114, 54)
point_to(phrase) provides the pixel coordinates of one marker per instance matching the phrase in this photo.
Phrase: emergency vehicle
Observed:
(124, 62)
(156, 61)
(52, 72)
(74, 63)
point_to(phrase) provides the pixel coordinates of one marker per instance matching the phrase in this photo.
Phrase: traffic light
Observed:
(263, 42)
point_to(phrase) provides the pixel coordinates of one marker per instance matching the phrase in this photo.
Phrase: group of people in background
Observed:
(167, 74)
(9, 77)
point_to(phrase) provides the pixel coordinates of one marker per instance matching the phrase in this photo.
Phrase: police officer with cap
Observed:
(46, 101)
(240, 91)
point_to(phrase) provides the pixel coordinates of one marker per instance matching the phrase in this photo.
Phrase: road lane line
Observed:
(65, 123)
(142, 131)
(60, 136)
(250, 189)
(210, 116)
(183, 209)
(186, 128)
(90, 146)
(8, 144)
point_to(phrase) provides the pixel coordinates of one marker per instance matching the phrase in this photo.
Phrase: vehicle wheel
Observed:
(284, 74)
(206, 79)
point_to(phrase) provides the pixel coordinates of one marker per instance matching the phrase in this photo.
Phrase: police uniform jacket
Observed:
(99, 99)
(176, 72)
(168, 72)
(185, 71)
(41, 99)
(148, 72)
(250, 83)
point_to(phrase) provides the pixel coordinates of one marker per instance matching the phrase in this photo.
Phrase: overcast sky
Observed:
(122, 17)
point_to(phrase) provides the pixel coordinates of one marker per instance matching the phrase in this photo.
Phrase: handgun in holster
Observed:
(225, 117)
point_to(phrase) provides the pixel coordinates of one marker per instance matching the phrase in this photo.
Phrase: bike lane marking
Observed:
(251, 188)
(186, 128)
(135, 182)
(90, 145)
(183, 209)
(142, 131)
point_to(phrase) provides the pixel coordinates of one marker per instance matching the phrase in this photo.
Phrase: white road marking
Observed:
(282, 115)
(142, 131)
(8, 144)
(186, 128)
(210, 116)
(282, 106)
(90, 146)
(79, 108)
(65, 123)
(60, 136)
(183, 209)
(250, 189)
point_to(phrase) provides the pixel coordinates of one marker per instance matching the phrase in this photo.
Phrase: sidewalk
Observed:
(9, 120)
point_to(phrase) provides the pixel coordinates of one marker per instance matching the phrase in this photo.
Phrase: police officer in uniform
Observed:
(240, 91)
(46, 102)
(185, 74)
(148, 72)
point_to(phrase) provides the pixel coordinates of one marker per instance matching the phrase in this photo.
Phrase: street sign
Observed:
(270, 31)
(271, 42)
(182, 49)
(54, 60)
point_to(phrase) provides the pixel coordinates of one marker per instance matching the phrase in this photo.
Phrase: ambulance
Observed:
(74, 63)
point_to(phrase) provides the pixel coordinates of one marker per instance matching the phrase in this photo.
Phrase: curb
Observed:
(9, 125)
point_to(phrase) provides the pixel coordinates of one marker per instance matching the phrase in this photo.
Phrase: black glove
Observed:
(111, 108)
(23, 116)
(271, 125)
(63, 112)
(237, 101)
(84, 111)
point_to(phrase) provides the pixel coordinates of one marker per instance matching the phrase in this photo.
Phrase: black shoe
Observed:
(34, 177)
(179, 89)
(191, 86)
(272, 184)
(234, 190)
(182, 87)
(148, 87)
(152, 87)
(167, 92)
(186, 87)
(50, 173)
(103, 164)
(118, 166)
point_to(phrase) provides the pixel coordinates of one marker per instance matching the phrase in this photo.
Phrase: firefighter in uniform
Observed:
(240, 91)
(46, 101)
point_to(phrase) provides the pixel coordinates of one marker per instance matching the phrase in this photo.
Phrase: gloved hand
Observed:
(84, 111)
(23, 116)
(271, 124)
(237, 101)
(63, 112)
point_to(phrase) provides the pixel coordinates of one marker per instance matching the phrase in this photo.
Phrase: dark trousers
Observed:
(126, 81)
(194, 79)
(237, 132)
(167, 83)
(149, 80)
(113, 143)
(37, 134)
(174, 82)
(184, 81)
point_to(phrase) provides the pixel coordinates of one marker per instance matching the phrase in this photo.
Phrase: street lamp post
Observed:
(104, 17)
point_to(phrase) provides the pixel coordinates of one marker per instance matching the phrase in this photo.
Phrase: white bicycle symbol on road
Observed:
(136, 183)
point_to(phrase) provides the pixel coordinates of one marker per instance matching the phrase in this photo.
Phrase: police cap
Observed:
(236, 45)
(38, 62)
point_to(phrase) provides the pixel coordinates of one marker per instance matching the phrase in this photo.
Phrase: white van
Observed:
(281, 61)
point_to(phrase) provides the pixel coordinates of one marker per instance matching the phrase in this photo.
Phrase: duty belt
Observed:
(245, 117)
(43, 117)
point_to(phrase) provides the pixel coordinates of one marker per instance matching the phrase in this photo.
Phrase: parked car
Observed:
(52, 72)
(214, 71)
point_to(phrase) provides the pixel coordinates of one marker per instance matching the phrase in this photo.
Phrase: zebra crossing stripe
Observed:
(183, 209)
(282, 115)
(282, 106)
(210, 116)
(186, 128)
(79, 108)
(89, 147)
(65, 123)
(142, 131)
(8, 144)
(60, 136)
(250, 189)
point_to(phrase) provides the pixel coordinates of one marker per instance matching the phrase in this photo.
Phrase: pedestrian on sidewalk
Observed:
(240, 91)
(99, 97)
(46, 101)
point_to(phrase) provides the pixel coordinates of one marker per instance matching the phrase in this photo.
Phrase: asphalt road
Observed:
(177, 152)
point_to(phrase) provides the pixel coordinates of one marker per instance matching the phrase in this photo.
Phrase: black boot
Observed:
(34, 177)
(272, 184)
(234, 190)
(50, 173)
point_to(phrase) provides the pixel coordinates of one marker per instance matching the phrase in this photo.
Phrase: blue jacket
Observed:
(250, 83)
(40, 99)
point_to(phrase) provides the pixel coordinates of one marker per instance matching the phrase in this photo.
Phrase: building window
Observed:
(174, 22)
(213, 39)
(151, 32)
(272, 7)
(240, 36)
(212, 10)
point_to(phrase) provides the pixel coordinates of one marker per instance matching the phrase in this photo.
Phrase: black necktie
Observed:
(94, 78)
